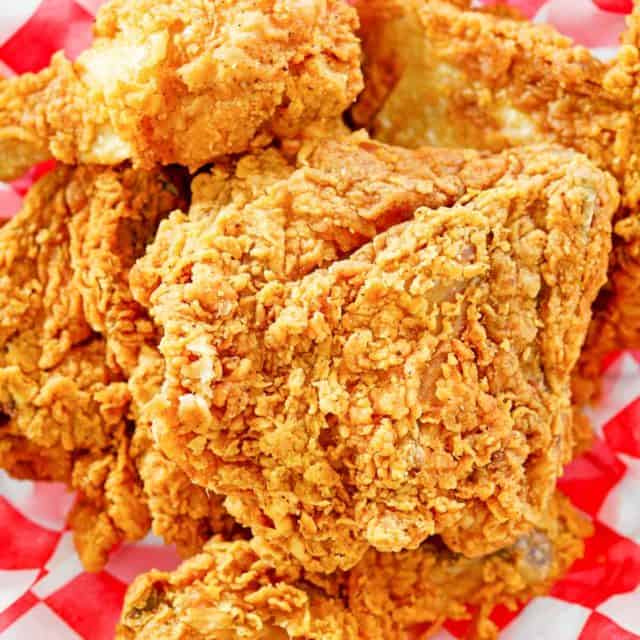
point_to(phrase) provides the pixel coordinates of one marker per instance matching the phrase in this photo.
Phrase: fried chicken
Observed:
(57, 394)
(616, 321)
(55, 387)
(71, 336)
(234, 590)
(466, 321)
(184, 82)
(182, 513)
(447, 77)
(438, 75)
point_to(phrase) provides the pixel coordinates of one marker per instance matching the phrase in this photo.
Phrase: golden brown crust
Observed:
(235, 590)
(466, 321)
(184, 82)
(616, 321)
(182, 513)
(438, 75)
(69, 334)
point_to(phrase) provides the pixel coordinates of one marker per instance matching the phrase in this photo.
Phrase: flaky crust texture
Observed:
(232, 590)
(441, 76)
(63, 407)
(616, 321)
(438, 75)
(184, 82)
(466, 321)
(182, 513)
(71, 334)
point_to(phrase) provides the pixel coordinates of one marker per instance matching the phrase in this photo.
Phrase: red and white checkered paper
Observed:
(44, 592)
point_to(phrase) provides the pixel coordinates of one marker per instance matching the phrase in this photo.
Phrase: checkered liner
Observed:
(44, 592)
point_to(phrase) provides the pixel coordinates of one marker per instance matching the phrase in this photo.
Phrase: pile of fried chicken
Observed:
(316, 292)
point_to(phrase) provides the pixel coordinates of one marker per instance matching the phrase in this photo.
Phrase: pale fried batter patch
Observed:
(184, 81)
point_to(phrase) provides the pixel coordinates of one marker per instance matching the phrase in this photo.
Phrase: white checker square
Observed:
(39, 623)
(14, 584)
(621, 509)
(63, 566)
(547, 619)
(622, 386)
(624, 610)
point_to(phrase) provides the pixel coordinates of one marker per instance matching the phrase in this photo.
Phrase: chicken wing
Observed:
(345, 400)
(234, 590)
(184, 82)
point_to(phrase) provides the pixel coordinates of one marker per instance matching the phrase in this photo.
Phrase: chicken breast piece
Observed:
(347, 386)
(184, 82)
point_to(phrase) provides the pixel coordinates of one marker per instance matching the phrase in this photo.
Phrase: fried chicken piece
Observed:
(182, 513)
(70, 331)
(63, 406)
(447, 77)
(110, 507)
(55, 388)
(235, 590)
(438, 75)
(24, 460)
(616, 321)
(98, 225)
(466, 322)
(184, 81)
(113, 222)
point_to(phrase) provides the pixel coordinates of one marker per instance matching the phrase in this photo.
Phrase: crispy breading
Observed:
(182, 513)
(466, 322)
(236, 590)
(438, 75)
(55, 386)
(62, 404)
(184, 81)
(113, 221)
(110, 507)
(616, 321)
(441, 76)
(71, 335)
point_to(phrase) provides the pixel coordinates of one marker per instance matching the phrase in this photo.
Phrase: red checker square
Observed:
(617, 6)
(90, 604)
(611, 565)
(502, 615)
(599, 627)
(600, 470)
(22, 185)
(623, 431)
(458, 628)
(17, 610)
(56, 25)
(23, 544)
